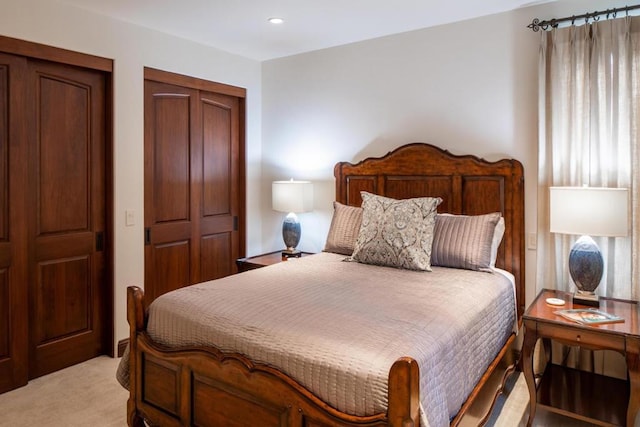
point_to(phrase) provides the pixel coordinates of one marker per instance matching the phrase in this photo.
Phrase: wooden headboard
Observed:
(467, 185)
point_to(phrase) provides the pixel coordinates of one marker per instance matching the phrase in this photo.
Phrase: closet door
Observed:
(13, 225)
(69, 295)
(194, 183)
(220, 190)
(171, 173)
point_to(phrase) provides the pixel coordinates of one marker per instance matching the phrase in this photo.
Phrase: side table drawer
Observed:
(582, 337)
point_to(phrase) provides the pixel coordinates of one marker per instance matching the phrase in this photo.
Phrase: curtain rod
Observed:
(536, 24)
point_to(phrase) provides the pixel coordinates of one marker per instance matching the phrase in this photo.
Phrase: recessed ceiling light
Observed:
(276, 20)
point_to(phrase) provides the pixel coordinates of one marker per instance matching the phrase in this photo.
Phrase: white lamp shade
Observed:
(292, 196)
(589, 211)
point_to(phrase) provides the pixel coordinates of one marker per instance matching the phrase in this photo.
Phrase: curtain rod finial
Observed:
(534, 25)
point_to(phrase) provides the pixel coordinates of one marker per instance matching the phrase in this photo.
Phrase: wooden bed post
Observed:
(404, 393)
(135, 317)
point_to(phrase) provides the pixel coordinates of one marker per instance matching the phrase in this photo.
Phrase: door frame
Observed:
(63, 56)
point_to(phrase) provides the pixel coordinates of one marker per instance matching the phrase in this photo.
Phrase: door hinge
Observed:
(99, 241)
(147, 236)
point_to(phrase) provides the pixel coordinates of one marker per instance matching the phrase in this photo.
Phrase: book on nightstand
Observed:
(589, 316)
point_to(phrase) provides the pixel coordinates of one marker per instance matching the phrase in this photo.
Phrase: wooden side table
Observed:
(258, 261)
(586, 396)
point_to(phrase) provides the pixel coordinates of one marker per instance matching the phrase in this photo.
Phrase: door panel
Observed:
(172, 266)
(68, 289)
(13, 225)
(4, 151)
(4, 314)
(216, 247)
(63, 298)
(64, 145)
(217, 158)
(171, 164)
(5, 333)
(5, 245)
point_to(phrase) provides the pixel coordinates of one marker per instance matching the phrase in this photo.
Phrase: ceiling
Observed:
(241, 26)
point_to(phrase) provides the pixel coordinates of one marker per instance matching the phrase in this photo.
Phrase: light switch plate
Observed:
(129, 217)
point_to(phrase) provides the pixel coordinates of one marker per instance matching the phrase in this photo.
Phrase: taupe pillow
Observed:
(462, 241)
(396, 233)
(344, 229)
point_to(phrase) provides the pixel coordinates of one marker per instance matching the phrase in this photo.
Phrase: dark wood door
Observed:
(169, 220)
(68, 293)
(194, 188)
(220, 187)
(13, 225)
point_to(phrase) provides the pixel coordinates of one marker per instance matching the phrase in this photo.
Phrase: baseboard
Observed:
(122, 344)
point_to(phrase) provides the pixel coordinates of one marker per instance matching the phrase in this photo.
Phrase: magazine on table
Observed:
(589, 316)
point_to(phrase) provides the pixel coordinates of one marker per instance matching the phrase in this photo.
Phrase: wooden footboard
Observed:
(205, 387)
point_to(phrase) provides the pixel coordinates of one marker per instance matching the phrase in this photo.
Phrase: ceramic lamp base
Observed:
(586, 298)
(291, 232)
(586, 267)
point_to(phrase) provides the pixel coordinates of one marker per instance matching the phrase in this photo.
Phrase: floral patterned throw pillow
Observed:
(396, 233)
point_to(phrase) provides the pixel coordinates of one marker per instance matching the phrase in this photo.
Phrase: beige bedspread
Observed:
(337, 327)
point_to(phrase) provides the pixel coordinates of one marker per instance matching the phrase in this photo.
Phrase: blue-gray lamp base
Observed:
(586, 267)
(291, 232)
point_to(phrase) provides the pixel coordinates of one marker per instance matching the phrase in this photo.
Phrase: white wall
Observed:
(469, 87)
(133, 48)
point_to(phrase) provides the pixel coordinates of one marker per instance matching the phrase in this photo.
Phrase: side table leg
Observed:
(548, 350)
(633, 367)
(530, 339)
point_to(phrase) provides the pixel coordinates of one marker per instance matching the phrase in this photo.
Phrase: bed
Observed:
(181, 377)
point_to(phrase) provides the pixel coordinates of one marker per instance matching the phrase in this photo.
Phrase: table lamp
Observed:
(588, 211)
(291, 197)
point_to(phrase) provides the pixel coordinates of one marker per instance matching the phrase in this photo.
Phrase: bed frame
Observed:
(205, 387)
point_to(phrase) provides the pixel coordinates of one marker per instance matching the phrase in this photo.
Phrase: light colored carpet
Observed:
(89, 395)
(82, 395)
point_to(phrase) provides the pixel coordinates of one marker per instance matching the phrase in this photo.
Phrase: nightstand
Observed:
(586, 396)
(258, 261)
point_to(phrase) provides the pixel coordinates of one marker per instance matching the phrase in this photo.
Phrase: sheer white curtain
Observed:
(589, 96)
